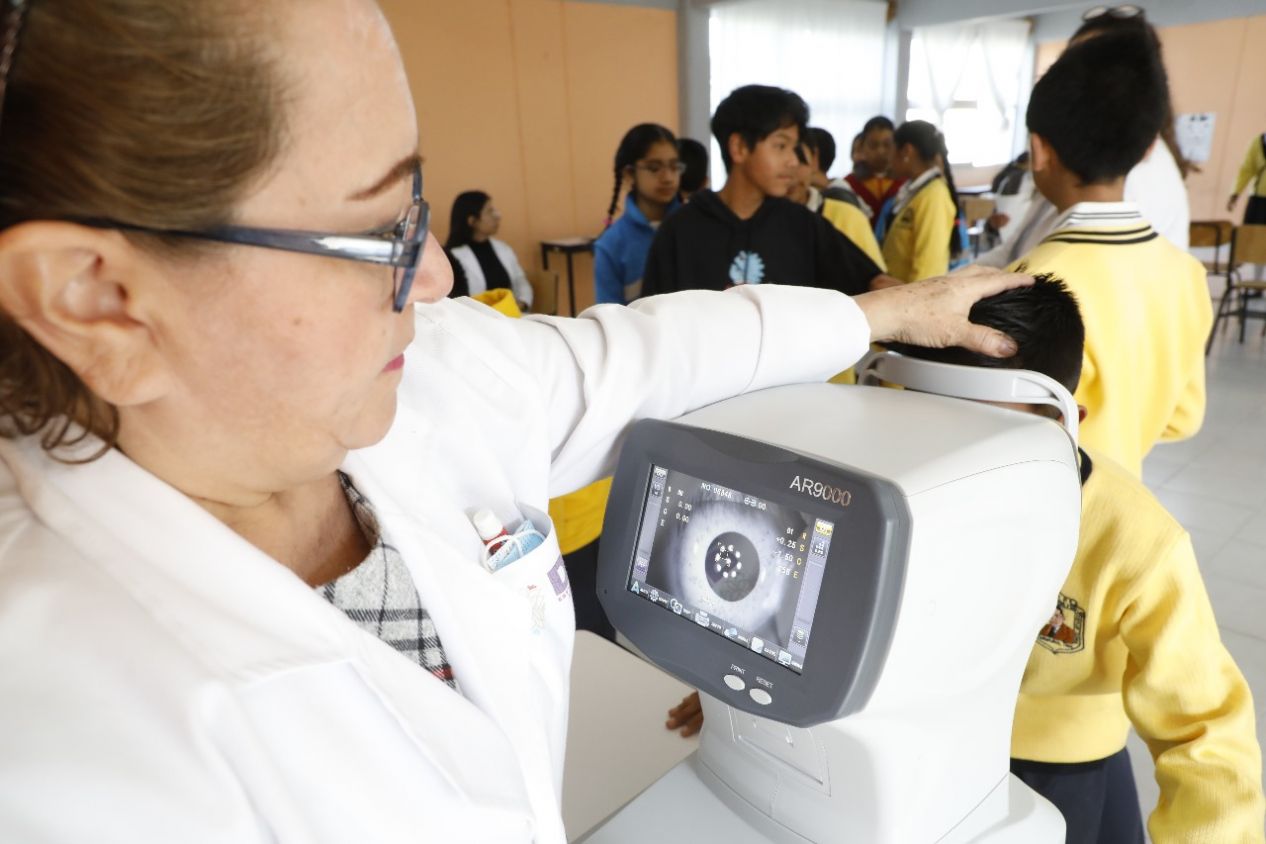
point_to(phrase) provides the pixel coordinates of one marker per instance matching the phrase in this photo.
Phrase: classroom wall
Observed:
(1215, 66)
(527, 100)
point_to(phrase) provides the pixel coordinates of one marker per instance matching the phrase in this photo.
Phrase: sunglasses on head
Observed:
(1118, 12)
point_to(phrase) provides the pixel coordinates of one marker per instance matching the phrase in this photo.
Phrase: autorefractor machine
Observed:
(853, 577)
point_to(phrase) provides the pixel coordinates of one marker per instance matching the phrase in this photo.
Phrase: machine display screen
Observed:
(742, 567)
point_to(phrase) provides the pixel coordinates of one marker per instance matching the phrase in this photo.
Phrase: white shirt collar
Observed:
(1099, 214)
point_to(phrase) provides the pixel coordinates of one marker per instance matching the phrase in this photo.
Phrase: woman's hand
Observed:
(933, 313)
(1230, 203)
(687, 715)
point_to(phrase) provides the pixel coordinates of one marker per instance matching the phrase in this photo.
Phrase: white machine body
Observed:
(994, 503)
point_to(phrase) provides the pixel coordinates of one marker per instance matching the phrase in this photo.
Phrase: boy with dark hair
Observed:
(1132, 640)
(822, 143)
(694, 155)
(748, 232)
(874, 185)
(1092, 117)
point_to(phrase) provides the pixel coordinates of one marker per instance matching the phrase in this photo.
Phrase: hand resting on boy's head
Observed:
(934, 312)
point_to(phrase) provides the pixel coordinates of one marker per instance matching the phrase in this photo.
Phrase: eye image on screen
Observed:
(744, 567)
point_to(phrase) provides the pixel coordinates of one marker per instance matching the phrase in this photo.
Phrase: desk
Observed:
(568, 246)
(616, 741)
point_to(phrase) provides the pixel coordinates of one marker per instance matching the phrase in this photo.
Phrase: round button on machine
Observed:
(761, 696)
(734, 682)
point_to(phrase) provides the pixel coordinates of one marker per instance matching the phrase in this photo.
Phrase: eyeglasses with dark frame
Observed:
(400, 248)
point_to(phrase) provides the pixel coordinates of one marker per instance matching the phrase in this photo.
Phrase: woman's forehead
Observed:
(349, 113)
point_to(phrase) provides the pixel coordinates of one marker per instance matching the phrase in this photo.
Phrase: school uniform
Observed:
(874, 191)
(841, 190)
(490, 265)
(917, 228)
(1253, 174)
(619, 254)
(853, 223)
(706, 246)
(1147, 312)
(1133, 641)
(1154, 186)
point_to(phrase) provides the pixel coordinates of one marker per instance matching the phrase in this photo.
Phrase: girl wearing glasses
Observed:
(241, 430)
(648, 173)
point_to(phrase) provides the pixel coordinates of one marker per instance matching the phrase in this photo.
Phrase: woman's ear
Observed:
(73, 290)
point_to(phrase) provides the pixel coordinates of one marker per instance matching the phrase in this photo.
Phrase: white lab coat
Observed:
(475, 280)
(163, 680)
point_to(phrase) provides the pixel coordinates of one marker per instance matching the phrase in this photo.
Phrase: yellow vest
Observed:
(1133, 640)
(917, 243)
(1147, 311)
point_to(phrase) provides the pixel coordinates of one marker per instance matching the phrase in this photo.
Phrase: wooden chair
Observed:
(976, 210)
(545, 285)
(1213, 234)
(1248, 246)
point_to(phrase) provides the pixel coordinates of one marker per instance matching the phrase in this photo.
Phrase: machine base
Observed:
(689, 805)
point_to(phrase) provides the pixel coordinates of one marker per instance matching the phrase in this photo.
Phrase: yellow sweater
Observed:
(1137, 643)
(1147, 311)
(1253, 170)
(853, 223)
(917, 243)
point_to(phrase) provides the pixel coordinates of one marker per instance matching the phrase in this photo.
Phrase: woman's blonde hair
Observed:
(157, 113)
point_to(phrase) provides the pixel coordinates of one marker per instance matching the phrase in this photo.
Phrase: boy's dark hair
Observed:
(635, 144)
(878, 122)
(929, 143)
(695, 156)
(466, 205)
(1101, 105)
(1138, 24)
(823, 143)
(754, 112)
(1045, 322)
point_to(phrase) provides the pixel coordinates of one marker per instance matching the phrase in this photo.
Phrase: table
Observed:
(616, 741)
(569, 246)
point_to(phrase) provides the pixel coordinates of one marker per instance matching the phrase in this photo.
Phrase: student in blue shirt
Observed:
(648, 170)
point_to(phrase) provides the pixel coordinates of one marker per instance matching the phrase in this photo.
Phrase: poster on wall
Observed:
(1195, 135)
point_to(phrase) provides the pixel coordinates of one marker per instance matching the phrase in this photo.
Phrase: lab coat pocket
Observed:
(541, 578)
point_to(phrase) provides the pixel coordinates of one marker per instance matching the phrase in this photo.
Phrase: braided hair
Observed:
(637, 142)
(929, 143)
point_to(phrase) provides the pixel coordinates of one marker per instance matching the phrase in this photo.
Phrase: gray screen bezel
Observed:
(857, 606)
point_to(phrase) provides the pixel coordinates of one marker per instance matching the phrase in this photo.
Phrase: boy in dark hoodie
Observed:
(748, 232)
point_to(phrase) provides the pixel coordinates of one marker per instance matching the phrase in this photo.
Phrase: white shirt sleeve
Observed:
(585, 380)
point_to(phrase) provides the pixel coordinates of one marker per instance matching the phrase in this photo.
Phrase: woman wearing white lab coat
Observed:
(184, 422)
